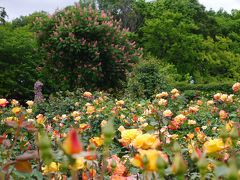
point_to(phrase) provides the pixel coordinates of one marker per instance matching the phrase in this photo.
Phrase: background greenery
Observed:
(185, 41)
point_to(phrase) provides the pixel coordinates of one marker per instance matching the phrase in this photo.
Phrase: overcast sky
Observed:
(16, 8)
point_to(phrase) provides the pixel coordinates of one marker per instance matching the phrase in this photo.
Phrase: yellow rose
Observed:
(98, 141)
(16, 110)
(191, 147)
(162, 102)
(223, 97)
(210, 102)
(229, 126)
(213, 145)
(163, 94)
(180, 118)
(190, 135)
(120, 103)
(104, 123)
(128, 135)
(121, 128)
(51, 168)
(167, 113)
(152, 156)
(40, 119)
(84, 126)
(90, 109)
(192, 122)
(11, 119)
(230, 98)
(176, 95)
(14, 102)
(122, 116)
(145, 141)
(174, 91)
(193, 109)
(30, 103)
(75, 114)
(79, 164)
(78, 118)
(29, 111)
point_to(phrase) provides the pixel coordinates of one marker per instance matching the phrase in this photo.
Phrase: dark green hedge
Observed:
(223, 87)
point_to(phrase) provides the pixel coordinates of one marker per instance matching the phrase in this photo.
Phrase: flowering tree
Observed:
(86, 48)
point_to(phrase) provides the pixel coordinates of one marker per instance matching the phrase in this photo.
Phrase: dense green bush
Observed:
(18, 62)
(223, 87)
(85, 48)
(149, 77)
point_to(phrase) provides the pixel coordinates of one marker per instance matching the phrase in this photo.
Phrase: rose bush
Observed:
(94, 136)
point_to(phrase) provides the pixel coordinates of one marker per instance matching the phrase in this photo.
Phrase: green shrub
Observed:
(191, 94)
(149, 77)
(85, 48)
(223, 87)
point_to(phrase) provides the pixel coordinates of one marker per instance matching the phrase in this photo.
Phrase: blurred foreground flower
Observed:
(115, 166)
(71, 144)
(147, 159)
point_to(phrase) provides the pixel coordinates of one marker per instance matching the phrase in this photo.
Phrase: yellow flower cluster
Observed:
(128, 135)
(213, 146)
(145, 141)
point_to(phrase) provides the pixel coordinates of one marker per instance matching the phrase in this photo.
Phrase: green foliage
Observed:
(18, 60)
(223, 87)
(85, 48)
(28, 20)
(199, 43)
(124, 10)
(149, 77)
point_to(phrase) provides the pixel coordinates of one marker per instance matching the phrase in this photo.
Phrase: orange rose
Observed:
(236, 87)
(87, 94)
(119, 168)
(217, 96)
(167, 113)
(223, 114)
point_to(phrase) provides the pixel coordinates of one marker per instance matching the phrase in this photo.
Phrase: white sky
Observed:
(16, 8)
(227, 5)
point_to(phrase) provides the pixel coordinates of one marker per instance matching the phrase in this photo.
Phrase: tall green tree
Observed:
(196, 41)
(18, 62)
(3, 15)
